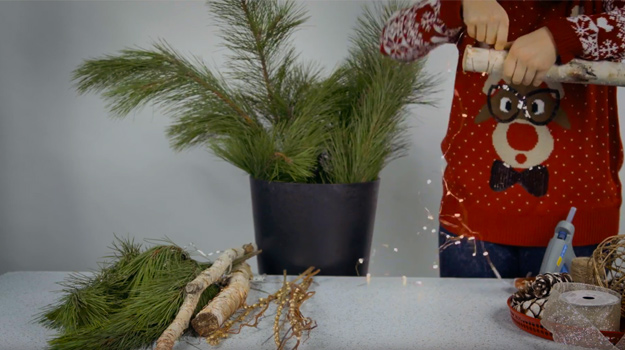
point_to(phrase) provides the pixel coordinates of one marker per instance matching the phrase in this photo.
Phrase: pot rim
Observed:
(281, 183)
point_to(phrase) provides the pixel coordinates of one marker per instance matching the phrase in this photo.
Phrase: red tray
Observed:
(532, 325)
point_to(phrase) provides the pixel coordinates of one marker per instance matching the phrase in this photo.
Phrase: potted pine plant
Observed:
(312, 145)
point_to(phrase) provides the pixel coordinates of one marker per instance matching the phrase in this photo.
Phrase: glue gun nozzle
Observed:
(571, 214)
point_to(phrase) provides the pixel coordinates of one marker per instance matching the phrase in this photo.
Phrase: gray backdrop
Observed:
(71, 177)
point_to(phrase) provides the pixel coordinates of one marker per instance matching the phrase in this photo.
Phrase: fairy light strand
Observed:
(451, 240)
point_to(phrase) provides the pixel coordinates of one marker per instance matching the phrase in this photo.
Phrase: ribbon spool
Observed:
(601, 309)
(576, 313)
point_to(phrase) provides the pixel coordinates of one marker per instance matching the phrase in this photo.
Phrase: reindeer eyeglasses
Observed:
(539, 106)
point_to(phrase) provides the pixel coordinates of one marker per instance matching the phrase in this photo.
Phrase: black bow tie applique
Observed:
(534, 180)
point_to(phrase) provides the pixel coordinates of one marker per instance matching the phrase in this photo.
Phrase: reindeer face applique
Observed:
(521, 138)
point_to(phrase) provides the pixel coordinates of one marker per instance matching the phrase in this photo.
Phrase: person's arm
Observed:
(599, 37)
(413, 32)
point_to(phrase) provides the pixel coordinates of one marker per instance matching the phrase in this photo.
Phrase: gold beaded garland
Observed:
(290, 297)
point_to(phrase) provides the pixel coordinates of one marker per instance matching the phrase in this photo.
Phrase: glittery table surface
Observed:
(423, 313)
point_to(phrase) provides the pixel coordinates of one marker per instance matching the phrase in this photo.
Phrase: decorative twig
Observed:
(577, 71)
(226, 303)
(193, 292)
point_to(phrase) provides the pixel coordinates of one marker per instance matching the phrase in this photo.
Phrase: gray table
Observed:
(426, 313)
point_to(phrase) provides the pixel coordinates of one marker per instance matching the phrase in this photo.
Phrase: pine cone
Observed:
(543, 283)
(532, 308)
(521, 296)
(531, 299)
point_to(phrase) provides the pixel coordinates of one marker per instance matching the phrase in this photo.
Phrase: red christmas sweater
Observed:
(513, 173)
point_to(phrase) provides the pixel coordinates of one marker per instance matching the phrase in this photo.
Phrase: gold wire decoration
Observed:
(288, 299)
(607, 266)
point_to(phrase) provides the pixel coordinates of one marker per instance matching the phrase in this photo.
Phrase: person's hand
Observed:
(486, 22)
(530, 57)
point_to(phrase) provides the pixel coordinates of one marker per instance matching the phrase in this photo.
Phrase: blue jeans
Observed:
(457, 260)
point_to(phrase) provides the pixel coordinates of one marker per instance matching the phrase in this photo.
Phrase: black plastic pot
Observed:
(329, 226)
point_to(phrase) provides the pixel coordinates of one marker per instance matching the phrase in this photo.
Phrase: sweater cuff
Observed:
(451, 13)
(567, 42)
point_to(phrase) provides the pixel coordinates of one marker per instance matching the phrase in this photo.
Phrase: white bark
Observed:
(194, 290)
(577, 71)
(226, 303)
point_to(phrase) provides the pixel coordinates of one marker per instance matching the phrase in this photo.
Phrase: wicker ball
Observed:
(607, 266)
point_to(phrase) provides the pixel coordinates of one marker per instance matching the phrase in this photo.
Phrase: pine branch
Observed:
(126, 305)
(136, 77)
(257, 39)
(278, 119)
(257, 33)
(289, 149)
(375, 93)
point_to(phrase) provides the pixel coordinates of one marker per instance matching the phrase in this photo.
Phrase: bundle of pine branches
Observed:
(128, 302)
(269, 114)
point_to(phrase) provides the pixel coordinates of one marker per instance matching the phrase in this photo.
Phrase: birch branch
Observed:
(578, 71)
(226, 303)
(194, 290)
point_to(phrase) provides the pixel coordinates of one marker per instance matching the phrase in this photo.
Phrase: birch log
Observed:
(194, 290)
(578, 71)
(226, 303)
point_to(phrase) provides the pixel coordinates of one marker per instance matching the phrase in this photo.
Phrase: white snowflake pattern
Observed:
(403, 37)
(584, 26)
(428, 21)
(590, 47)
(619, 22)
(609, 48)
(590, 32)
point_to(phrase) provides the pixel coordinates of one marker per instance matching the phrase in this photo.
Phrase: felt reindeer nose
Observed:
(522, 137)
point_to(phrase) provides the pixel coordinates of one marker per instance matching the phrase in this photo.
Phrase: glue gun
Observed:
(560, 254)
